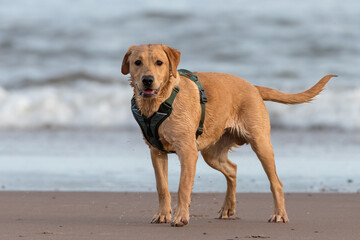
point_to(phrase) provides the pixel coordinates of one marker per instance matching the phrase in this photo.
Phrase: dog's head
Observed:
(150, 67)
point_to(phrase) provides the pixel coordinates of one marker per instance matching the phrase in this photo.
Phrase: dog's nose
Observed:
(147, 80)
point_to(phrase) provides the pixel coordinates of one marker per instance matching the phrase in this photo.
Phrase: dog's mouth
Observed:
(148, 92)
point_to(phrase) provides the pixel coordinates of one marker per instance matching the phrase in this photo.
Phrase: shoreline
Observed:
(124, 215)
(96, 160)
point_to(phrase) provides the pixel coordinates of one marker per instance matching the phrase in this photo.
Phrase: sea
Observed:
(65, 119)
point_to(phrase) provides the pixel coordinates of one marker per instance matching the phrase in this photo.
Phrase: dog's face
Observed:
(150, 67)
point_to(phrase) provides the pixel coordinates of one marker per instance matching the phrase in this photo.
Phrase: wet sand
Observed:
(98, 215)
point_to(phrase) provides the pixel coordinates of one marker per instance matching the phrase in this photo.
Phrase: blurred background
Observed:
(65, 120)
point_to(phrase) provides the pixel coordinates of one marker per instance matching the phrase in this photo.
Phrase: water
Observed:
(118, 160)
(60, 60)
(65, 120)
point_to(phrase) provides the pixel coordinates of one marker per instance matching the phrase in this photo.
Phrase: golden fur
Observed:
(235, 115)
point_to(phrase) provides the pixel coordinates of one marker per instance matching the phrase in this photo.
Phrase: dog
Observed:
(235, 114)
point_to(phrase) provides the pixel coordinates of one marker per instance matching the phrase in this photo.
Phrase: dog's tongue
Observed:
(149, 91)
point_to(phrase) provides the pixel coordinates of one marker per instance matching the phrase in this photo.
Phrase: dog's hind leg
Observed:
(263, 148)
(216, 156)
(257, 122)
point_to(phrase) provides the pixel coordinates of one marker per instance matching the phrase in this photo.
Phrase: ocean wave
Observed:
(80, 104)
(67, 78)
(96, 102)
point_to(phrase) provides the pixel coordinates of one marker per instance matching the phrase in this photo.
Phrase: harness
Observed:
(150, 126)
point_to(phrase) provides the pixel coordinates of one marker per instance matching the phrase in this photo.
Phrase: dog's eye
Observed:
(138, 62)
(159, 63)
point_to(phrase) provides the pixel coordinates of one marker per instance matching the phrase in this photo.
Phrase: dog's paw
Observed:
(226, 212)
(279, 218)
(228, 209)
(161, 218)
(180, 223)
(180, 220)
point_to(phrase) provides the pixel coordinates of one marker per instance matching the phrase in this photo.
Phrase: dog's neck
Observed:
(148, 106)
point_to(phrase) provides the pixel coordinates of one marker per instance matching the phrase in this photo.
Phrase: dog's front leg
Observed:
(188, 158)
(160, 164)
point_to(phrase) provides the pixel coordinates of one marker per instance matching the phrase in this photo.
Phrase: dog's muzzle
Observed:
(148, 92)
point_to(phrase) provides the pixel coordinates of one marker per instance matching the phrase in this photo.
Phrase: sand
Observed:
(98, 215)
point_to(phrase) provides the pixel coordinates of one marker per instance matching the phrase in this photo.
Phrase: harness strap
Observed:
(149, 126)
(166, 107)
(203, 98)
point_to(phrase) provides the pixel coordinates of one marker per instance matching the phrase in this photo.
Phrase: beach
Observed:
(100, 185)
(73, 163)
(101, 215)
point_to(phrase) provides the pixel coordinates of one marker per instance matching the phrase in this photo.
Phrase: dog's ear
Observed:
(173, 56)
(125, 68)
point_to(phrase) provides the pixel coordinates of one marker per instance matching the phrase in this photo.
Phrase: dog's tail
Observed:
(273, 95)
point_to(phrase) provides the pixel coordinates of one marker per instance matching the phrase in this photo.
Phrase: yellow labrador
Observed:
(235, 115)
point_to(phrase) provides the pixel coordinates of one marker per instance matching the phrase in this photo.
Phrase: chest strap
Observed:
(150, 126)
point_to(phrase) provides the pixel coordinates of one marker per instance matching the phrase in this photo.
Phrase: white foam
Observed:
(79, 105)
(90, 104)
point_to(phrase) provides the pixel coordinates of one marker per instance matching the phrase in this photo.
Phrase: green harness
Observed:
(150, 126)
